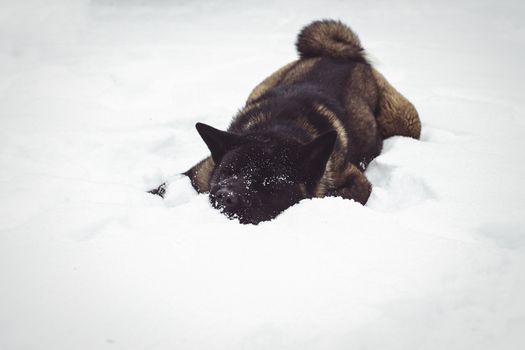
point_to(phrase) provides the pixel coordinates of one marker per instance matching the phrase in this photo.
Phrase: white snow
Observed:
(98, 102)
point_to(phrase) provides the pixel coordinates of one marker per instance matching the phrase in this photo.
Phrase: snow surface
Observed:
(97, 105)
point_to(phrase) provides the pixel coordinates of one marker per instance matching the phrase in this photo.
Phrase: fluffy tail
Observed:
(329, 38)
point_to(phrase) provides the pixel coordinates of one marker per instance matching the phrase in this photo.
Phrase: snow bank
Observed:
(97, 105)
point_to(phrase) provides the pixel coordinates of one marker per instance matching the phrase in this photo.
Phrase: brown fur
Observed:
(395, 114)
(328, 38)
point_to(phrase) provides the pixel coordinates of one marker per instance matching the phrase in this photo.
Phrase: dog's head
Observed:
(257, 176)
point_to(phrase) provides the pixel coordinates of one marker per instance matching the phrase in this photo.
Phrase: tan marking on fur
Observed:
(269, 82)
(337, 125)
(201, 174)
(255, 120)
(246, 112)
(303, 124)
(300, 70)
(396, 115)
(290, 73)
(327, 180)
(248, 108)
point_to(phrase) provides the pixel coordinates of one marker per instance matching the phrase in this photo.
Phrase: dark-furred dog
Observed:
(308, 130)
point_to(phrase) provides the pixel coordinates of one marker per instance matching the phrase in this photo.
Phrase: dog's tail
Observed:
(329, 38)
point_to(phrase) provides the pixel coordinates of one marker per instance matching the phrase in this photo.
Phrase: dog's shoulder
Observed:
(288, 74)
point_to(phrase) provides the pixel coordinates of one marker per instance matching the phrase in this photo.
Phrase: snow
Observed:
(98, 102)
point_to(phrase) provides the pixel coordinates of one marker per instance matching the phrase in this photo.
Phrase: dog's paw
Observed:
(159, 191)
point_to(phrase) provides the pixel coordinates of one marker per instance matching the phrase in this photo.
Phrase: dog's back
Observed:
(330, 87)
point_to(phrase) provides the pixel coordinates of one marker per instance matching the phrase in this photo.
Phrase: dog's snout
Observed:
(226, 198)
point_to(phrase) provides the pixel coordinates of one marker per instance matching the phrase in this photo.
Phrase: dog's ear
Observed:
(314, 155)
(219, 142)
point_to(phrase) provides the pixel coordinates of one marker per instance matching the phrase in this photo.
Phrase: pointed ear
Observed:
(315, 154)
(219, 142)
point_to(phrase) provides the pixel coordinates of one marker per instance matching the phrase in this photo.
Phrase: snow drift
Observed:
(97, 105)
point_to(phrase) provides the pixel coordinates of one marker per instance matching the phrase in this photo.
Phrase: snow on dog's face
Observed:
(256, 177)
(254, 184)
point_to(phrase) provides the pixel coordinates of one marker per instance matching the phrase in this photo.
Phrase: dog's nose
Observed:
(226, 199)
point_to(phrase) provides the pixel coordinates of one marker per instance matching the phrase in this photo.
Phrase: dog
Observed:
(308, 130)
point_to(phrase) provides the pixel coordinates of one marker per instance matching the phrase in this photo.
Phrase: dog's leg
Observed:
(159, 191)
(395, 114)
(200, 175)
(354, 185)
